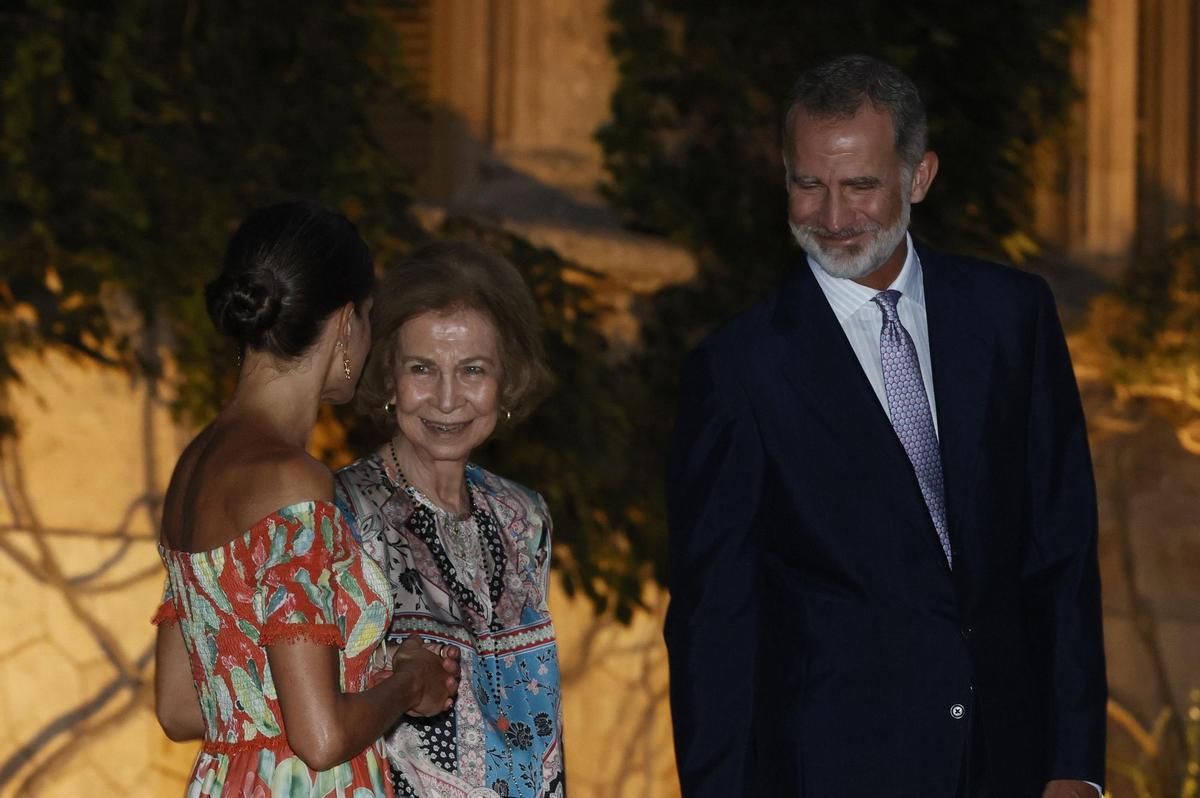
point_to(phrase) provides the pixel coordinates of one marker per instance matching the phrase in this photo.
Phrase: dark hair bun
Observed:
(245, 306)
(287, 269)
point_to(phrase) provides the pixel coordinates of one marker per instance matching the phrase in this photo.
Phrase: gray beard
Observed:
(869, 257)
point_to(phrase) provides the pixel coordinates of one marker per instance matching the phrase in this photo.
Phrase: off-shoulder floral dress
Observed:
(296, 574)
(479, 582)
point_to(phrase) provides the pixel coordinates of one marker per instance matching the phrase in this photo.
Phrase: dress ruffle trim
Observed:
(325, 634)
(167, 613)
(276, 744)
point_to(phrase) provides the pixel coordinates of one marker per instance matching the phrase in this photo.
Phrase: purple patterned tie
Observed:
(910, 411)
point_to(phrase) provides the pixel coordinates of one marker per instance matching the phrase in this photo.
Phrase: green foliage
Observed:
(1160, 294)
(1151, 762)
(136, 134)
(693, 146)
(1149, 331)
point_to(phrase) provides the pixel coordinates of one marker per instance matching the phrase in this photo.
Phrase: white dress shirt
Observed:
(862, 321)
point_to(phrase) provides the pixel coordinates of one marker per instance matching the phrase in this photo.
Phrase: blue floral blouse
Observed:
(479, 582)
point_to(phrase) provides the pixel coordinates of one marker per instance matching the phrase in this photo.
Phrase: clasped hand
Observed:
(433, 669)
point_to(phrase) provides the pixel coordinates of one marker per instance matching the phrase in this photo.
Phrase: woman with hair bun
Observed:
(270, 629)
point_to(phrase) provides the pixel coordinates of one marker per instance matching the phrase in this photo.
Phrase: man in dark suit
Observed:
(883, 517)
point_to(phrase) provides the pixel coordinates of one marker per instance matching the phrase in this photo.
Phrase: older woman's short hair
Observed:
(445, 277)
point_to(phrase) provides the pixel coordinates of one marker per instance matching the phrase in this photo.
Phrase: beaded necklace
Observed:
(463, 544)
(472, 557)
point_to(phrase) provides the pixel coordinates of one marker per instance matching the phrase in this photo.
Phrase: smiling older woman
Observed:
(456, 351)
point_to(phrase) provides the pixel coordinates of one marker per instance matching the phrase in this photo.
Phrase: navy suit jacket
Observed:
(819, 643)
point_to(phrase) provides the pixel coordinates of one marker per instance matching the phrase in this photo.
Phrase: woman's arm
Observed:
(175, 701)
(325, 726)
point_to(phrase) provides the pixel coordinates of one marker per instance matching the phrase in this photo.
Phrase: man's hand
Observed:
(1069, 788)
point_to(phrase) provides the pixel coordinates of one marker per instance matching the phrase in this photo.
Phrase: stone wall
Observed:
(80, 578)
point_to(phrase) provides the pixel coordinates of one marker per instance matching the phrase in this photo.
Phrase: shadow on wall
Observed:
(78, 650)
(80, 576)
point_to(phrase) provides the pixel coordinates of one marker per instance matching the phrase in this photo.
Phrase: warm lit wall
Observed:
(80, 577)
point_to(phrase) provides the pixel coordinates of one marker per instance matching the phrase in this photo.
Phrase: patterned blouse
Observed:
(479, 582)
(296, 574)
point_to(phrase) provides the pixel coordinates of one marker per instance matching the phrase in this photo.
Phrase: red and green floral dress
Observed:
(296, 574)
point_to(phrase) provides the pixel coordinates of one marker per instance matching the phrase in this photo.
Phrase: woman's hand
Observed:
(326, 726)
(433, 671)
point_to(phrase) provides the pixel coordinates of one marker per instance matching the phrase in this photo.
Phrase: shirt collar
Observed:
(847, 297)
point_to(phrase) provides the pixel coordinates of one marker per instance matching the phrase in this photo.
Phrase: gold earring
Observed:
(507, 416)
(389, 407)
(346, 362)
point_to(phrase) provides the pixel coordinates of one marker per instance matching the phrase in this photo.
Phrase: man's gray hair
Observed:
(837, 89)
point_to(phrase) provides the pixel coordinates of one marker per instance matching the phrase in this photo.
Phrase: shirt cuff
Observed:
(1099, 791)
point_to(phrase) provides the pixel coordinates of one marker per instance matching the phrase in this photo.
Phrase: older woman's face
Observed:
(447, 378)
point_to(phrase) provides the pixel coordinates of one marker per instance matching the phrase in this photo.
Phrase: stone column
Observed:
(461, 92)
(1167, 189)
(1109, 181)
(525, 81)
(556, 77)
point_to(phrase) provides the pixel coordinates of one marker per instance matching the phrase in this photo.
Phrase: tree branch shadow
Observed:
(47, 750)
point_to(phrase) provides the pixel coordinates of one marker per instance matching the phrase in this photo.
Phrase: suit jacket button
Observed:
(966, 632)
(957, 711)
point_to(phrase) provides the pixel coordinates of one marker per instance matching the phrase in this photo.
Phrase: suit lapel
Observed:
(961, 351)
(826, 373)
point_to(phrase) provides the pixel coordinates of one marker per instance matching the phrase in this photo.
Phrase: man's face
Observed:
(849, 192)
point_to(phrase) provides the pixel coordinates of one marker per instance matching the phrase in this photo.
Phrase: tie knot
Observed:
(887, 300)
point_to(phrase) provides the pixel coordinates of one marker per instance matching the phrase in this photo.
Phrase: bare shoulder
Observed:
(272, 477)
(177, 520)
(230, 478)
